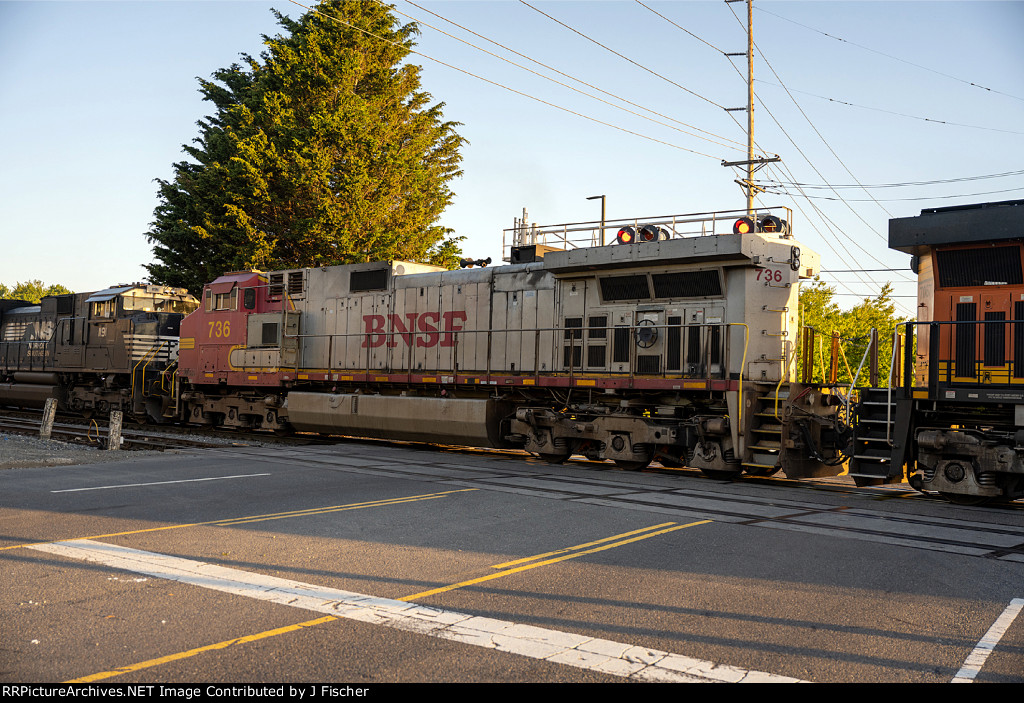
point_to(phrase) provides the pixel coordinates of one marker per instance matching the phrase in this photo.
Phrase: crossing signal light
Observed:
(627, 235)
(771, 223)
(744, 225)
(652, 233)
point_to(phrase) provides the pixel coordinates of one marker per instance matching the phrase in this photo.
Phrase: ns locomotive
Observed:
(677, 343)
(93, 352)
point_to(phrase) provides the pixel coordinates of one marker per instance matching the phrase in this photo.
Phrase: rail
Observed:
(594, 233)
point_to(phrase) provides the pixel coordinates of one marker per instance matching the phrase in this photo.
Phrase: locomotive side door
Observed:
(473, 317)
(995, 311)
(101, 320)
(649, 337)
(69, 351)
(569, 325)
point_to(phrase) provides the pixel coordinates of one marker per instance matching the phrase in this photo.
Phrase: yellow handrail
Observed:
(739, 398)
(147, 357)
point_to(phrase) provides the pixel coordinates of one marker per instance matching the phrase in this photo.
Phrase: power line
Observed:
(834, 227)
(738, 146)
(621, 56)
(701, 40)
(889, 270)
(893, 112)
(500, 85)
(890, 56)
(820, 136)
(860, 295)
(891, 200)
(897, 185)
(723, 53)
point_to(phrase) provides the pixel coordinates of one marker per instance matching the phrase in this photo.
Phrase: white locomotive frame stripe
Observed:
(161, 348)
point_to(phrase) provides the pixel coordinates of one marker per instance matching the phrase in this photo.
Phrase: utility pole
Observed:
(751, 163)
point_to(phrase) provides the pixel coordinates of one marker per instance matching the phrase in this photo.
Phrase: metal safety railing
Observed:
(685, 351)
(959, 354)
(595, 233)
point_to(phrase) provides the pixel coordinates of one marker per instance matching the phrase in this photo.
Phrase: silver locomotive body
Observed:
(681, 348)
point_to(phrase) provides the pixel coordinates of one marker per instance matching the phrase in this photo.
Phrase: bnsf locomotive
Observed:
(93, 352)
(677, 344)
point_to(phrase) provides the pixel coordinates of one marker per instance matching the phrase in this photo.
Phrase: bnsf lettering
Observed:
(421, 329)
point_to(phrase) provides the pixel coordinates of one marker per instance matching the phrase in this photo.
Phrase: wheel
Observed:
(763, 471)
(963, 499)
(671, 462)
(721, 475)
(864, 481)
(554, 458)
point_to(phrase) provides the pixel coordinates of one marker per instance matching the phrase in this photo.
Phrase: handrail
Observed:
(743, 364)
(592, 232)
(849, 391)
(147, 357)
(387, 339)
(888, 388)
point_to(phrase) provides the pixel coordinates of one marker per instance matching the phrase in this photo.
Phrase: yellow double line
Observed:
(538, 560)
(507, 568)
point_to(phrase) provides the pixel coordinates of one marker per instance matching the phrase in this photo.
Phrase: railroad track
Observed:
(164, 437)
(91, 432)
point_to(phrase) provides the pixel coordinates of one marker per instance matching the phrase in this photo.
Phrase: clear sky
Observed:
(97, 98)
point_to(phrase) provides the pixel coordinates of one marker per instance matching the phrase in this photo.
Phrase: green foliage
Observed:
(820, 311)
(31, 291)
(323, 151)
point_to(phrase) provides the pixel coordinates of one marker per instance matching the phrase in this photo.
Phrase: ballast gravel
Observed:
(25, 452)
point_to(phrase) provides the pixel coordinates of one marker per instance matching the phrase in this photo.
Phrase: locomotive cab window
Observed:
(143, 303)
(226, 301)
(104, 309)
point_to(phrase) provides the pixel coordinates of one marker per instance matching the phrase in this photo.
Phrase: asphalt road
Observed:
(370, 562)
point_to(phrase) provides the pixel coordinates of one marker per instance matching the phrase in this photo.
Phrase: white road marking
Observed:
(156, 483)
(606, 656)
(976, 659)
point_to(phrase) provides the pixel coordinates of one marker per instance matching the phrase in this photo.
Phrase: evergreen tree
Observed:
(820, 311)
(323, 151)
